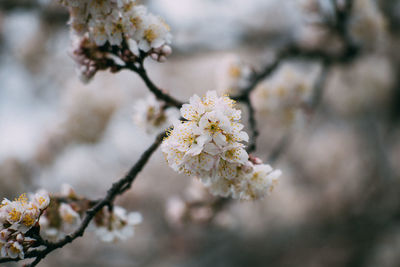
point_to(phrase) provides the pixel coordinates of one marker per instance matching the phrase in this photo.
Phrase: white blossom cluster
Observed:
(16, 219)
(117, 225)
(65, 215)
(284, 95)
(115, 21)
(208, 145)
(152, 115)
(233, 75)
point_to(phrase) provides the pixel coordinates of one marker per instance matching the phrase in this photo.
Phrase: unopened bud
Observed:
(4, 235)
(20, 238)
(166, 50)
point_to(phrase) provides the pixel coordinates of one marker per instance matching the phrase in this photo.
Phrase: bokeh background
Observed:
(338, 200)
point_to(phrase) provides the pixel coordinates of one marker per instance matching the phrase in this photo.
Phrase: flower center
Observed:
(150, 35)
(234, 71)
(15, 215)
(28, 220)
(136, 21)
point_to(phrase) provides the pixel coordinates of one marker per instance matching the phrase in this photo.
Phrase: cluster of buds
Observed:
(67, 209)
(160, 54)
(88, 58)
(17, 218)
(153, 115)
(209, 145)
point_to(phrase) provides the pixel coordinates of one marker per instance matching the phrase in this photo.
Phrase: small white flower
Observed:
(119, 225)
(67, 191)
(233, 75)
(29, 217)
(4, 235)
(69, 216)
(153, 34)
(13, 250)
(259, 183)
(133, 47)
(98, 32)
(99, 8)
(21, 214)
(15, 210)
(152, 115)
(41, 199)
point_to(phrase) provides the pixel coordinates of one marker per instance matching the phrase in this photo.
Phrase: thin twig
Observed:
(252, 125)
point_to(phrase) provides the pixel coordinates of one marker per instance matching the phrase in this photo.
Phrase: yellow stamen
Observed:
(15, 215)
(28, 220)
(234, 71)
(150, 35)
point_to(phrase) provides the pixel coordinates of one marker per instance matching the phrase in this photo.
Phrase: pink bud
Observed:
(20, 238)
(166, 50)
(154, 56)
(4, 235)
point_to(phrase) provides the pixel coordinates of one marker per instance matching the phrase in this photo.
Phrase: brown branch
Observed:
(159, 93)
(252, 125)
(137, 66)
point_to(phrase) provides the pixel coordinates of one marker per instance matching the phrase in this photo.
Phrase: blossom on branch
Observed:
(209, 145)
(153, 115)
(120, 22)
(117, 225)
(67, 210)
(233, 75)
(17, 218)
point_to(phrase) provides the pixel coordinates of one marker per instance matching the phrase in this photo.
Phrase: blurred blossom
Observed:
(368, 26)
(196, 191)
(153, 115)
(233, 75)
(67, 210)
(86, 116)
(364, 85)
(283, 97)
(117, 225)
(175, 210)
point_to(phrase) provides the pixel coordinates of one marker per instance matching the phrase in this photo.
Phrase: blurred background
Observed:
(338, 200)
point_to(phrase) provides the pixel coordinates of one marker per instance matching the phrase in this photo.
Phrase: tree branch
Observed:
(112, 193)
